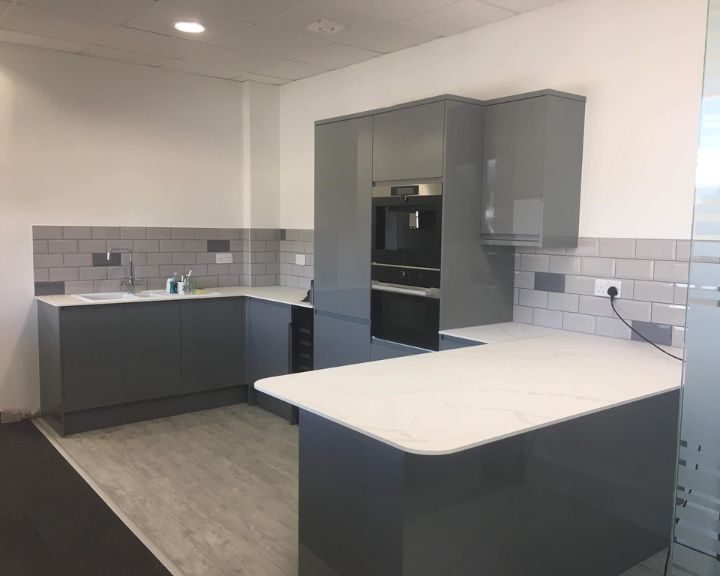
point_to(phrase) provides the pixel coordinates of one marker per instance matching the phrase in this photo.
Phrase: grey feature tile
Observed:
(578, 323)
(49, 288)
(101, 259)
(107, 285)
(91, 246)
(673, 314)
(77, 260)
(585, 247)
(106, 232)
(520, 314)
(678, 337)
(48, 260)
(41, 275)
(62, 246)
(47, 232)
(580, 285)
(565, 264)
(62, 274)
(598, 267)
(612, 328)
(172, 245)
(547, 318)
(183, 233)
(654, 291)
(218, 246)
(93, 273)
(564, 302)
(533, 262)
(533, 298)
(40, 247)
(77, 232)
(682, 250)
(655, 249)
(671, 271)
(146, 246)
(657, 333)
(680, 295)
(79, 287)
(547, 281)
(634, 269)
(159, 233)
(617, 247)
(133, 233)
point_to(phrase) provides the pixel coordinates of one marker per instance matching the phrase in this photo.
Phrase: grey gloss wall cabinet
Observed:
(343, 188)
(103, 365)
(532, 164)
(408, 143)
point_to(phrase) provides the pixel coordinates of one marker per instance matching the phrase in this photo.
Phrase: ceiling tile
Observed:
(291, 70)
(162, 17)
(273, 42)
(51, 25)
(40, 41)
(393, 10)
(125, 56)
(237, 60)
(391, 37)
(459, 17)
(145, 42)
(521, 5)
(110, 11)
(246, 76)
(252, 11)
(337, 56)
(297, 19)
(203, 69)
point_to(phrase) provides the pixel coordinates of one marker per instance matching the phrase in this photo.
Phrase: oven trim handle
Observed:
(407, 290)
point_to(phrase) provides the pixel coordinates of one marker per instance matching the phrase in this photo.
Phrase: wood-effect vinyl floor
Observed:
(216, 492)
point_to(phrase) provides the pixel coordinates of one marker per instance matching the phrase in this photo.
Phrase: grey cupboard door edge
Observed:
(343, 196)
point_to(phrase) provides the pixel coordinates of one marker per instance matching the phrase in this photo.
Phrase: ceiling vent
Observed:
(325, 26)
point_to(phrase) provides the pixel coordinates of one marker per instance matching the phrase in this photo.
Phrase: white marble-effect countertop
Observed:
(281, 294)
(503, 332)
(450, 401)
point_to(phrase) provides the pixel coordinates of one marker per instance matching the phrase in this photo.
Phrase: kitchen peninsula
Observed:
(549, 455)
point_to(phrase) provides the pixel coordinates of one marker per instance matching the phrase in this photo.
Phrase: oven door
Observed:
(402, 315)
(407, 230)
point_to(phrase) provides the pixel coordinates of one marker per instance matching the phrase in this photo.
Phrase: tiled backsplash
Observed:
(72, 259)
(555, 288)
(297, 266)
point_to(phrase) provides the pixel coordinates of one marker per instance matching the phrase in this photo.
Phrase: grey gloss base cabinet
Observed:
(106, 365)
(384, 350)
(452, 343)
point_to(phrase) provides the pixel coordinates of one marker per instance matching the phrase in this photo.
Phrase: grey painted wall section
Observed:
(555, 287)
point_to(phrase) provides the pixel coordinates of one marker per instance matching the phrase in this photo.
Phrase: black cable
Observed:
(612, 292)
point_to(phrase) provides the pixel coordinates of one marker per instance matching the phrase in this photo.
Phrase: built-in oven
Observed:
(407, 224)
(406, 305)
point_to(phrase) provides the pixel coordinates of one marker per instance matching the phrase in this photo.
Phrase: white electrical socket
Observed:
(602, 286)
(224, 258)
(300, 259)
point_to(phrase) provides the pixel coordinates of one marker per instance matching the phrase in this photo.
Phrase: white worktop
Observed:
(281, 294)
(447, 402)
(503, 332)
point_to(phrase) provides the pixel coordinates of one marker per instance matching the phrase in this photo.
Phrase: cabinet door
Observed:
(408, 143)
(381, 350)
(93, 356)
(212, 344)
(340, 341)
(343, 198)
(513, 170)
(152, 350)
(267, 340)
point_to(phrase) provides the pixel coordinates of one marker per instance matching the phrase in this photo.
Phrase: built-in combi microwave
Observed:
(407, 224)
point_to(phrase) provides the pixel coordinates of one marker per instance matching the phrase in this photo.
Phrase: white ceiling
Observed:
(263, 40)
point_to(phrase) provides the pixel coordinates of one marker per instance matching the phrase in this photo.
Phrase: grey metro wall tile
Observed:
(671, 271)
(79, 287)
(678, 337)
(106, 232)
(159, 233)
(62, 246)
(535, 262)
(598, 267)
(146, 246)
(611, 327)
(546, 281)
(654, 291)
(682, 250)
(655, 249)
(564, 302)
(195, 246)
(673, 314)
(547, 318)
(533, 298)
(585, 247)
(77, 260)
(634, 269)
(580, 285)
(48, 260)
(133, 233)
(40, 247)
(522, 314)
(47, 232)
(564, 264)
(62, 274)
(41, 275)
(183, 234)
(77, 232)
(617, 247)
(92, 246)
(578, 323)
(172, 245)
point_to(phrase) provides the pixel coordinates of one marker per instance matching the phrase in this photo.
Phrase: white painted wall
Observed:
(639, 62)
(94, 142)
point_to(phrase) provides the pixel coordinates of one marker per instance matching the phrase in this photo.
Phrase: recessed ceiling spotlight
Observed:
(189, 27)
(325, 26)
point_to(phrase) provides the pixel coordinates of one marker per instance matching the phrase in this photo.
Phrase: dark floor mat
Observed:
(52, 523)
